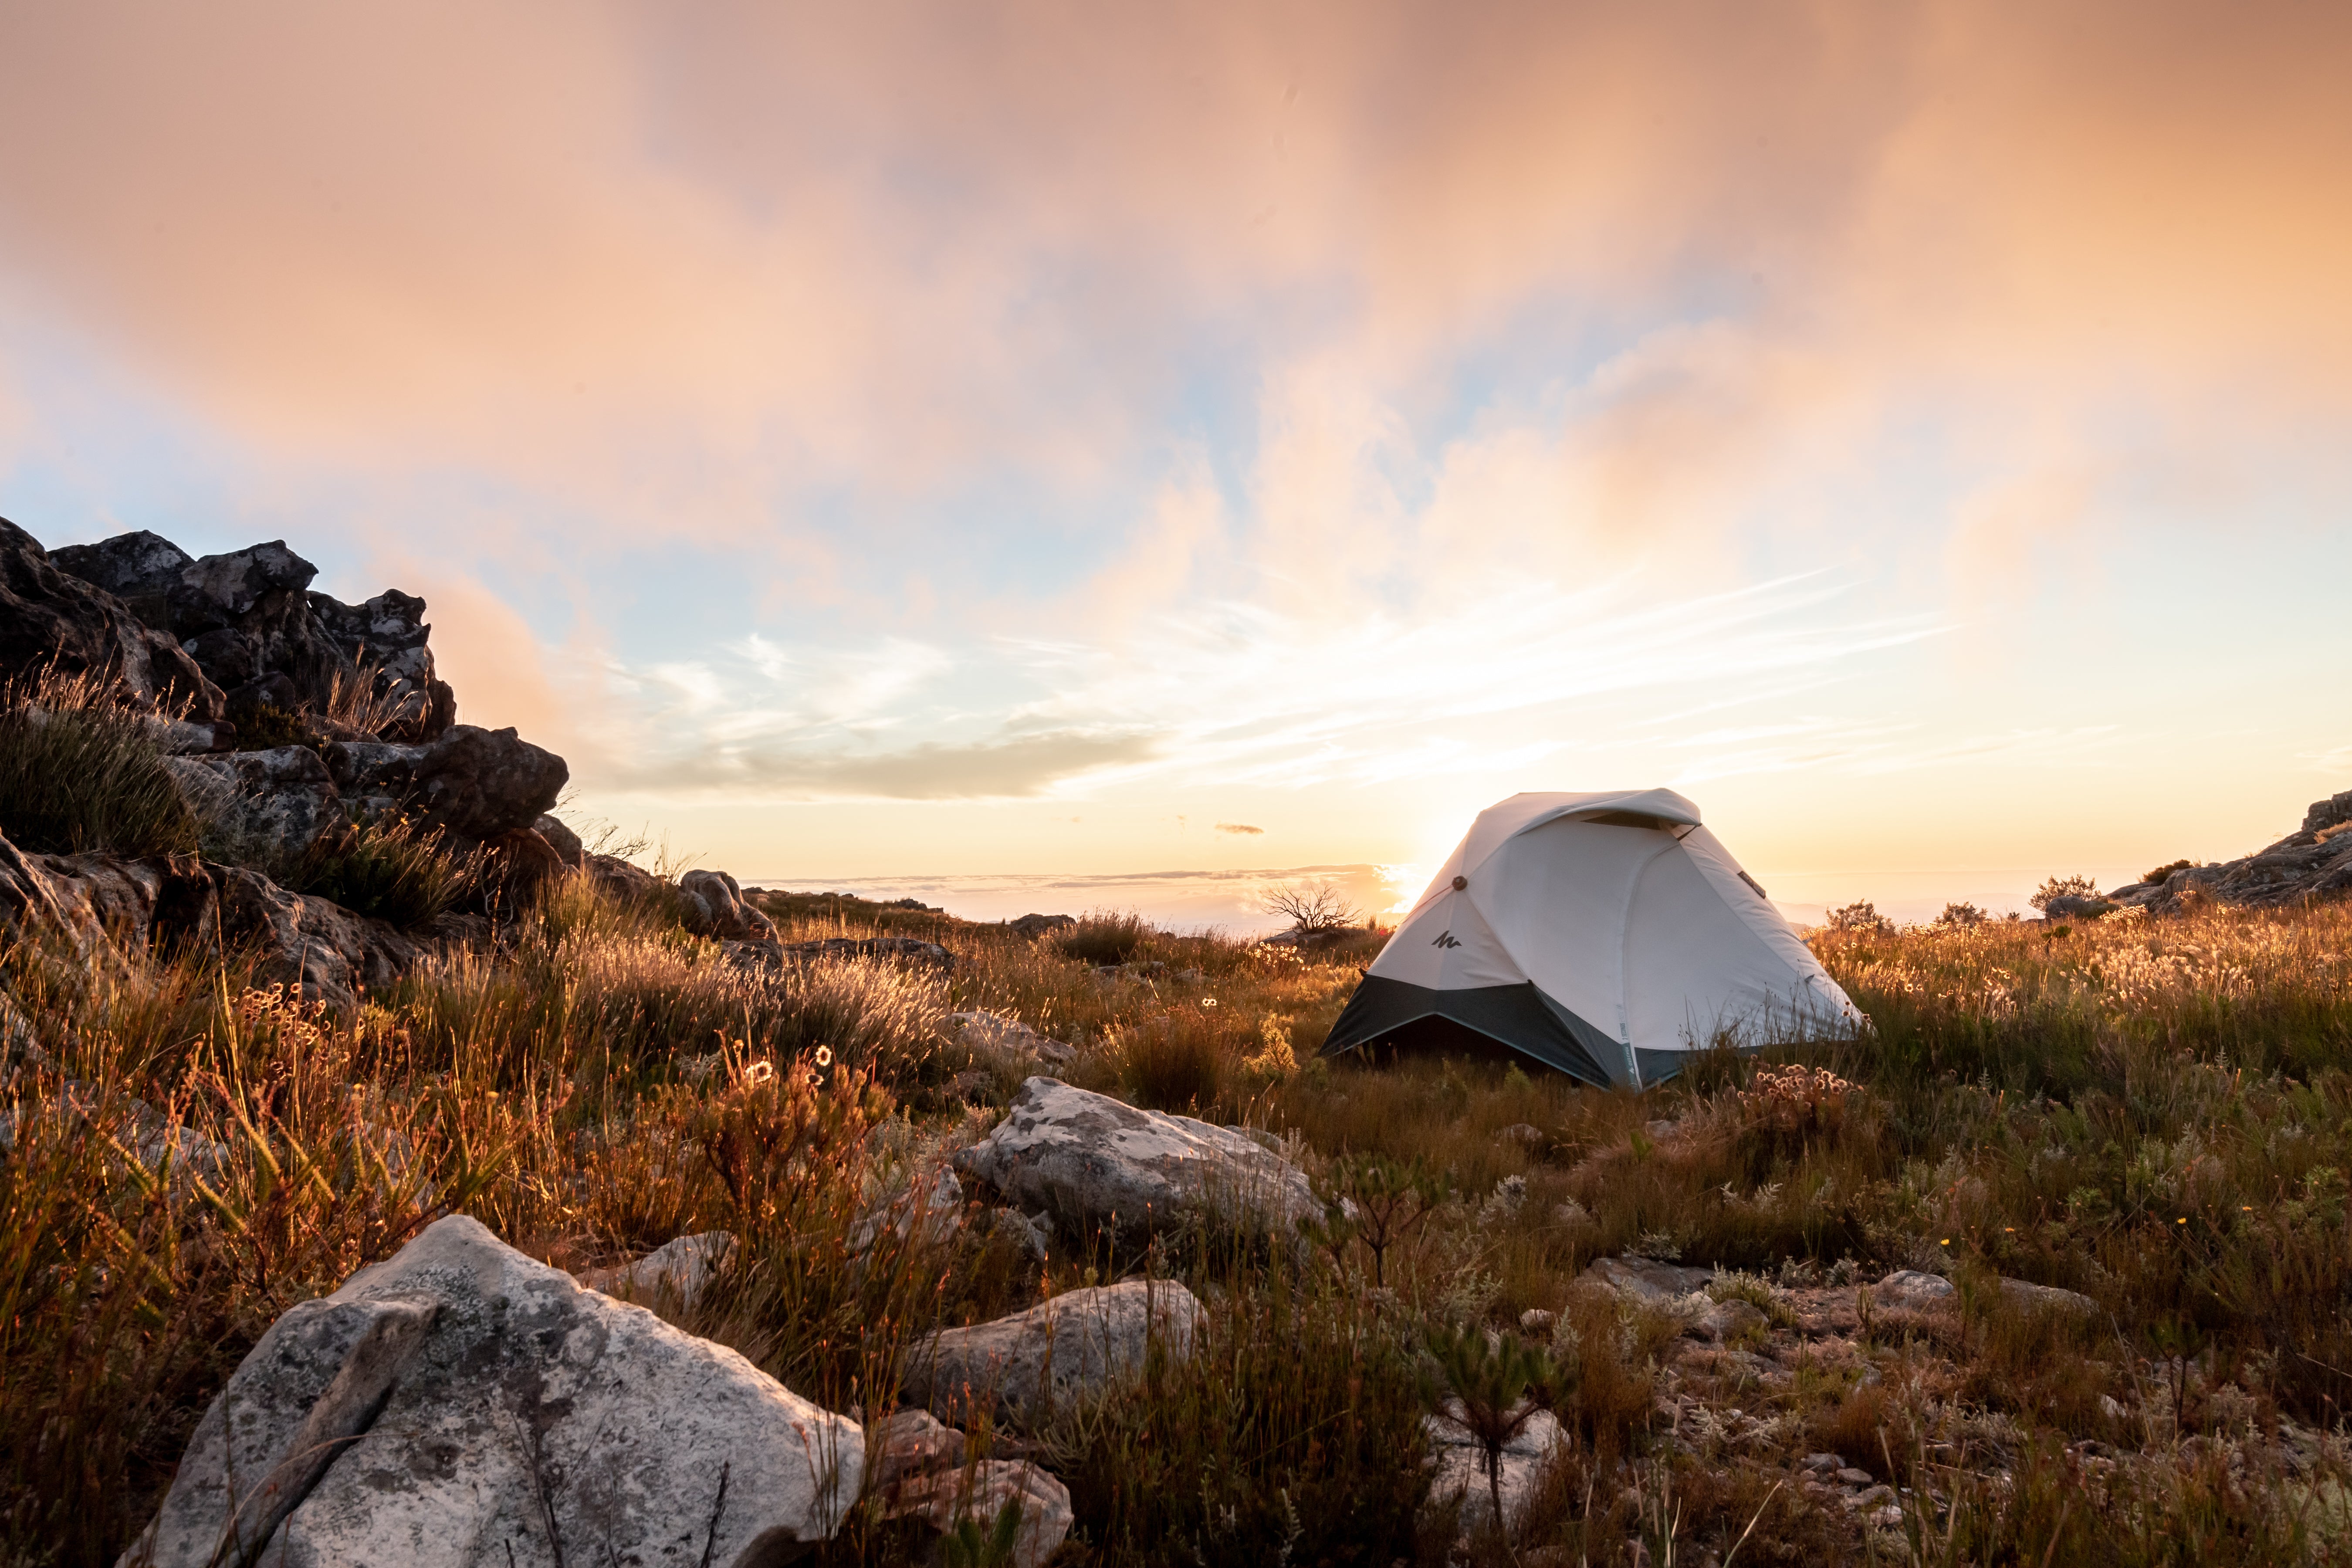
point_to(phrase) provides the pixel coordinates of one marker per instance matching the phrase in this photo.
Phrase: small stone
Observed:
(1822, 1463)
(1854, 1477)
(1537, 1321)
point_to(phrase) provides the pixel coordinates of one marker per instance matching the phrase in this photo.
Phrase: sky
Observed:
(1025, 448)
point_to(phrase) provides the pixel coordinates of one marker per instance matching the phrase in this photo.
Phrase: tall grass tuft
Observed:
(82, 770)
(1104, 936)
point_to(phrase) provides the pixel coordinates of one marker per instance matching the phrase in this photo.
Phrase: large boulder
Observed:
(1077, 1345)
(1096, 1164)
(463, 1404)
(265, 807)
(50, 618)
(474, 784)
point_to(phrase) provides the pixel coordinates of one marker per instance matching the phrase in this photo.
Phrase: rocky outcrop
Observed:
(713, 905)
(2313, 862)
(51, 618)
(1079, 1345)
(101, 903)
(1098, 1165)
(472, 783)
(463, 1404)
(249, 622)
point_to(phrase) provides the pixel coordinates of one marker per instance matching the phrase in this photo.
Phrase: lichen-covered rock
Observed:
(1079, 1343)
(1096, 1164)
(266, 807)
(462, 1405)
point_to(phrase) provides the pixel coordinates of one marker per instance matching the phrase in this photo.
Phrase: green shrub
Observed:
(2160, 873)
(79, 770)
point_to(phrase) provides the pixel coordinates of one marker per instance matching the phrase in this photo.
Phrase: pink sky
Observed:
(1003, 439)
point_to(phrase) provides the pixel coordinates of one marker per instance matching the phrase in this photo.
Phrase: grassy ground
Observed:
(2157, 1115)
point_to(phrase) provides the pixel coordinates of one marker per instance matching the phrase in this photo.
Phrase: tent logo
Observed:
(1445, 939)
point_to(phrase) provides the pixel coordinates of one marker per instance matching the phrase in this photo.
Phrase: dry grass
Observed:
(2158, 1115)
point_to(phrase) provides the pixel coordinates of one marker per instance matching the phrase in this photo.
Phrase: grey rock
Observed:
(1822, 1464)
(1094, 1163)
(324, 950)
(994, 1031)
(1526, 1134)
(101, 904)
(1077, 1345)
(1911, 1290)
(672, 1275)
(927, 1211)
(714, 906)
(1034, 925)
(558, 836)
(463, 1404)
(1852, 1477)
(618, 878)
(945, 1498)
(265, 807)
(474, 784)
(1462, 1465)
(908, 1443)
(1646, 1279)
(1537, 1321)
(2031, 1297)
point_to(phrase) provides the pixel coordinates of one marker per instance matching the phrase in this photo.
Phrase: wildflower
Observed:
(1947, 1241)
(1208, 1001)
(823, 1057)
(759, 1072)
(2184, 1219)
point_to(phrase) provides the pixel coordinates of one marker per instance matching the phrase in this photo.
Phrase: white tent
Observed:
(1608, 935)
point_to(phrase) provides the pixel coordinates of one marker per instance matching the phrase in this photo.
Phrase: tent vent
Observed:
(1631, 819)
(1756, 885)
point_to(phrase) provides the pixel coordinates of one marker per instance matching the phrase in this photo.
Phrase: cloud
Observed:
(1238, 827)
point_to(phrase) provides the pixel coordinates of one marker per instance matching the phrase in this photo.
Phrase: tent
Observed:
(1607, 935)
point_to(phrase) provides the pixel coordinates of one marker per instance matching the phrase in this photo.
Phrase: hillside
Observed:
(710, 1224)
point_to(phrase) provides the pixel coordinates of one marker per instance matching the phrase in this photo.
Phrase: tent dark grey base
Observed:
(1519, 1018)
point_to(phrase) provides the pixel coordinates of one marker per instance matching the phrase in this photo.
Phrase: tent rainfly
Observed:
(1607, 935)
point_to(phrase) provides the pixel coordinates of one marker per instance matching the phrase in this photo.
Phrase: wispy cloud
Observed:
(1230, 694)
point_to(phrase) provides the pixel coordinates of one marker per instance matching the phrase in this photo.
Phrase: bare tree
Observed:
(1312, 906)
